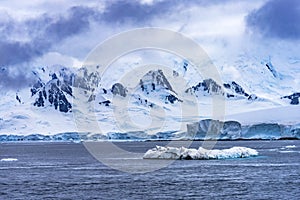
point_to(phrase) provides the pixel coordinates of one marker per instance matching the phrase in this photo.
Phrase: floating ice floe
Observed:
(290, 146)
(8, 159)
(174, 153)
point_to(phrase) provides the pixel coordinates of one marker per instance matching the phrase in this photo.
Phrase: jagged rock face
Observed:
(54, 92)
(236, 88)
(65, 75)
(294, 98)
(119, 89)
(86, 80)
(211, 87)
(154, 80)
(208, 85)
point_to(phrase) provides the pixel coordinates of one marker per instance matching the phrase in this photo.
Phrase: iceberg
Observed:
(8, 159)
(201, 153)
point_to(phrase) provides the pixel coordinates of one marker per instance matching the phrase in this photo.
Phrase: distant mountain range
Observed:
(56, 88)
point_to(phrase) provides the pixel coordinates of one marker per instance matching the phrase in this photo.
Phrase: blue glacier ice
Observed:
(207, 129)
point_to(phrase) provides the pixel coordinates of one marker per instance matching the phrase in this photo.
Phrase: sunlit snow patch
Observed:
(160, 152)
(8, 159)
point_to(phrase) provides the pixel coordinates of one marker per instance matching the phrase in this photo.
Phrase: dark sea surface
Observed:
(68, 171)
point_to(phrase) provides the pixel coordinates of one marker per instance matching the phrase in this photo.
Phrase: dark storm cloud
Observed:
(122, 11)
(277, 19)
(76, 23)
(132, 11)
(45, 32)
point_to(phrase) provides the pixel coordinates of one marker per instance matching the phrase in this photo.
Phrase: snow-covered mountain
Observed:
(153, 106)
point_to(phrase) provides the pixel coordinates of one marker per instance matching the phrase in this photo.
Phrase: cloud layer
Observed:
(32, 31)
(277, 19)
(44, 32)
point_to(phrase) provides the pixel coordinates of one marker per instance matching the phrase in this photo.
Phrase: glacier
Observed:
(206, 129)
(201, 153)
(209, 129)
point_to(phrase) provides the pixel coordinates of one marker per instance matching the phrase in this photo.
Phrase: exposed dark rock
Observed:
(92, 98)
(54, 76)
(34, 89)
(211, 86)
(171, 98)
(175, 73)
(86, 80)
(185, 66)
(144, 102)
(39, 102)
(295, 101)
(271, 68)
(230, 95)
(106, 103)
(153, 79)
(208, 85)
(18, 98)
(227, 85)
(236, 89)
(66, 88)
(64, 105)
(119, 89)
(252, 97)
(55, 92)
(294, 98)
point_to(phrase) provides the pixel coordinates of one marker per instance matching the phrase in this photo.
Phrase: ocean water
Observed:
(68, 171)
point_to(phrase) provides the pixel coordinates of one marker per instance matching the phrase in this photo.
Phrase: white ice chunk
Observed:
(290, 146)
(8, 159)
(160, 152)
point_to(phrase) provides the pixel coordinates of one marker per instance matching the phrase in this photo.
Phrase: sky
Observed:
(44, 33)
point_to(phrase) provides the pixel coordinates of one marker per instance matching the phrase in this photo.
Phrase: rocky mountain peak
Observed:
(155, 80)
(119, 89)
(53, 93)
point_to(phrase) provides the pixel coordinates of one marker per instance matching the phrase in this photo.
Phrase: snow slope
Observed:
(158, 101)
